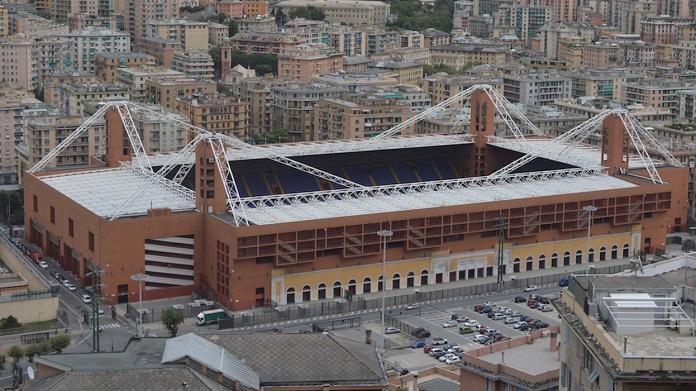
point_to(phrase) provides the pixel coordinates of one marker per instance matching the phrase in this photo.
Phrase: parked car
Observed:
(435, 350)
(459, 318)
(86, 299)
(465, 330)
(71, 287)
(531, 288)
(450, 323)
(453, 360)
(478, 307)
(520, 299)
(487, 309)
(539, 325)
(439, 341)
(391, 330)
(471, 323)
(546, 308)
(564, 281)
(412, 306)
(519, 325)
(510, 320)
(454, 349)
(420, 333)
(439, 354)
(65, 282)
(417, 344)
(43, 264)
(531, 303)
(543, 300)
(499, 316)
(479, 338)
(445, 356)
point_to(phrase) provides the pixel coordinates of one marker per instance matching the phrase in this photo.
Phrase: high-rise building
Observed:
(4, 22)
(190, 35)
(138, 12)
(194, 63)
(219, 114)
(536, 88)
(89, 42)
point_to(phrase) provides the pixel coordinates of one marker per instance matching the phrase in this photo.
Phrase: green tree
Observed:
(280, 18)
(59, 342)
(9, 323)
(414, 15)
(44, 347)
(3, 361)
(172, 319)
(232, 28)
(272, 137)
(310, 13)
(263, 63)
(216, 53)
(31, 351)
(221, 18)
(16, 353)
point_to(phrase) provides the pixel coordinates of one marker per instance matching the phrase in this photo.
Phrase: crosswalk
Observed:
(109, 326)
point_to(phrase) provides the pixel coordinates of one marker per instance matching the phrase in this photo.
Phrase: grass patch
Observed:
(33, 327)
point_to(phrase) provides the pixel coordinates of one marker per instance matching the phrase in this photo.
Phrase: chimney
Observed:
(553, 342)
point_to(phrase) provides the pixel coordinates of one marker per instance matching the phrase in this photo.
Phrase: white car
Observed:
(43, 264)
(444, 357)
(71, 287)
(86, 299)
(519, 324)
(450, 323)
(454, 349)
(391, 330)
(531, 288)
(471, 323)
(412, 306)
(511, 320)
(434, 351)
(479, 337)
(453, 360)
(439, 341)
(66, 283)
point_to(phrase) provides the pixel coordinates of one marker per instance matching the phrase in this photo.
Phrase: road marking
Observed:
(109, 326)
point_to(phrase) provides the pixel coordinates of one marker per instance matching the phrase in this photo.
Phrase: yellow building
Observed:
(4, 25)
(302, 65)
(408, 72)
(357, 118)
(190, 35)
(461, 56)
(219, 114)
(164, 91)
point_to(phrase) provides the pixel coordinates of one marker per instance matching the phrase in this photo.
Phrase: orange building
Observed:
(303, 65)
(253, 8)
(231, 8)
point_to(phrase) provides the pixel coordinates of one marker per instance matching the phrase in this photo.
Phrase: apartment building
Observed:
(194, 63)
(217, 33)
(134, 79)
(260, 42)
(292, 107)
(190, 35)
(87, 43)
(164, 90)
(62, 10)
(106, 64)
(537, 88)
(358, 13)
(52, 84)
(43, 134)
(411, 39)
(434, 37)
(19, 68)
(33, 25)
(137, 13)
(219, 114)
(158, 135)
(407, 72)
(461, 56)
(74, 97)
(303, 64)
(379, 41)
(663, 29)
(463, 10)
(687, 105)
(161, 49)
(231, 8)
(357, 117)
(441, 87)
(348, 41)
(255, 8)
(602, 83)
(656, 93)
(261, 25)
(4, 22)
(528, 21)
(257, 93)
(360, 80)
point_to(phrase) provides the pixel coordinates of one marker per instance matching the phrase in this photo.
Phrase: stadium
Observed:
(287, 223)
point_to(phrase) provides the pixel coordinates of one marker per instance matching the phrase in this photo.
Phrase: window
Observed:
(306, 293)
(35, 203)
(71, 228)
(351, 286)
(396, 281)
(321, 292)
(578, 257)
(259, 291)
(530, 264)
(410, 279)
(90, 238)
(290, 295)
(614, 252)
(53, 215)
(590, 255)
(602, 253)
(542, 262)
(337, 290)
(424, 277)
(554, 260)
(625, 250)
(367, 285)
(516, 265)
(566, 258)
(380, 284)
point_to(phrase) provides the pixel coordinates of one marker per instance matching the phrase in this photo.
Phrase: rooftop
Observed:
(518, 357)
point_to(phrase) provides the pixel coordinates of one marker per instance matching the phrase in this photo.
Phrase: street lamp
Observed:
(589, 209)
(386, 234)
(140, 277)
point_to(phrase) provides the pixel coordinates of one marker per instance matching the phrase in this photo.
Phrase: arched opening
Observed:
(542, 262)
(337, 290)
(396, 281)
(602, 254)
(529, 264)
(516, 265)
(306, 293)
(625, 250)
(351, 287)
(410, 279)
(424, 277)
(380, 284)
(321, 291)
(578, 257)
(290, 296)
(367, 285)
(590, 255)
(614, 252)
(554, 260)
(566, 258)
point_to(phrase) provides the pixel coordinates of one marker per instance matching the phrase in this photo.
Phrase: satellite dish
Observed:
(30, 372)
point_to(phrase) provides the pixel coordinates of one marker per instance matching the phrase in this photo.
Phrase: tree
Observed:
(309, 13)
(10, 323)
(3, 360)
(16, 353)
(31, 351)
(221, 18)
(44, 347)
(263, 63)
(280, 18)
(216, 53)
(59, 342)
(233, 28)
(171, 319)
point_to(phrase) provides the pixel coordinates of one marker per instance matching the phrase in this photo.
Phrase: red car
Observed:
(531, 303)
(478, 308)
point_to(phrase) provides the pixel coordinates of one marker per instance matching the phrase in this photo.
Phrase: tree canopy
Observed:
(414, 15)
(262, 63)
(172, 319)
(309, 13)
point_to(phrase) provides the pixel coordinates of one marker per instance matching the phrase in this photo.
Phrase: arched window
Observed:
(554, 260)
(578, 257)
(529, 264)
(321, 291)
(396, 281)
(424, 277)
(367, 285)
(306, 293)
(516, 265)
(614, 252)
(351, 286)
(337, 290)
(380, 284)
(602, 253)
(542, 262)
(590, 255)
(566, 258)
(410, 279)
(290, 296)
(625, 250)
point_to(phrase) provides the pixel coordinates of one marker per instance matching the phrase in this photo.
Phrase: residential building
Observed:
(662, 30)
(157, 135)
(349, 41)
(43, 134)
(589, 107)
(462, 56)
(537, 88)
(624, 333)
(255, 8)
(164, 90)
(292, 107)
(360, 80)
(161, 49)
(411, 39)
(106, 65)
(74, 98)
(528, 21)
(358, 13)
(261, 25)
(481, 26)
(137, 13)
(380, 40)
(463, 10)
(217, 33)
(134, 79)
(257, 93)
(602, 83)
(52, 84)
(357, 117)
(4, 22)
(441, 87)
(62, 10)
(305, 63)
(259, 42)
(33, 25)
(190, 35)
(407, 72)
(87, 43)
(656, 93)
(355, 63)
(18, 66)
(627, 14)
(420, 56)
(219, 114)
(194, 63)
(687, 105)
(231, 8)
(434, 37)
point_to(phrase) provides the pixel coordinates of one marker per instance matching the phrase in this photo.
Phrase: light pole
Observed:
(140, 277)
(386, 234)
(589, 209)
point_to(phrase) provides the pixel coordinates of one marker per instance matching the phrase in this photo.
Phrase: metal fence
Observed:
(155, 314)
(343, 306)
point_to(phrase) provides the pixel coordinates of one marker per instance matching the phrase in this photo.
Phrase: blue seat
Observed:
(445, 169)
(358, 174)
(426, 171)
(405, 173)
(256, 185)
(297, 182)
(382, 175)
(241, 186)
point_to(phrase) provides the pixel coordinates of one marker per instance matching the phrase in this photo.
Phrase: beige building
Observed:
(217, 33)
(219, 114)
(257, 93)
(292, 107)
(441, 87)
(190, 35)
(106, 65)
(137, 12)
(134, 79)
(407, 72)
(18, 67)
(302, 65)
(4, 22)
(194, 63)
(164, 90)
(357, 118)
(261, 42)
(45, 133)
(352, 12)
(159, 135)
(460, 56)
(161, 49)
(74, 97)
(656, 93)
(87, 43)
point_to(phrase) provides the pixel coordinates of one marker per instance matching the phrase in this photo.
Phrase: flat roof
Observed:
(103, 191)
(519, 357)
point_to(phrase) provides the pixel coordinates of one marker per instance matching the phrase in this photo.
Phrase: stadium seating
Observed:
(445, 169)
(359, 175)
(256, 185)
(383, 175)
(297, 182)
(404, 172)
(426, 171)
